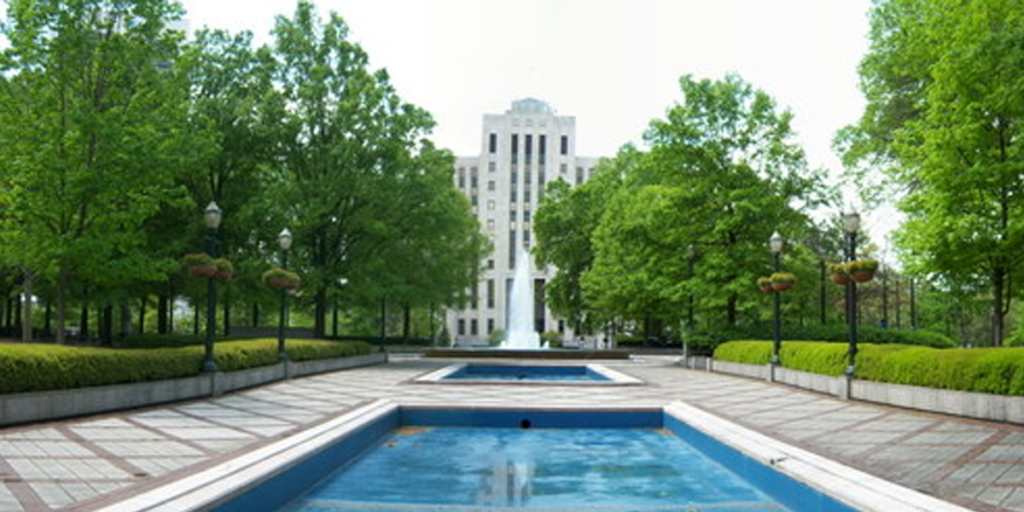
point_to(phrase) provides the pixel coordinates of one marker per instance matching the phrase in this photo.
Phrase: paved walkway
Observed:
(81, 464)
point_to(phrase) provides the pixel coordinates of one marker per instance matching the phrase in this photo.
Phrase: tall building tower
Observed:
(520, 152)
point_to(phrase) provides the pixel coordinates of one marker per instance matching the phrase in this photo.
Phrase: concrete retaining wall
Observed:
(958, 403)
(49, 405)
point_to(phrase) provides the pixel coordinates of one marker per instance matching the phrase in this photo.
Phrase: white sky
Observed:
(612, 64)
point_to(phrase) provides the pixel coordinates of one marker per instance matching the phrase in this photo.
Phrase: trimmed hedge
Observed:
(38, 367)
(985, 370)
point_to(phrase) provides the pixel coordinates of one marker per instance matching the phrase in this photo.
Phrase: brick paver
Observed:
(80, 464)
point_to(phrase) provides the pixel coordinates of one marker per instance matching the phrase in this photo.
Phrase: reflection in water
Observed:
(510, 482)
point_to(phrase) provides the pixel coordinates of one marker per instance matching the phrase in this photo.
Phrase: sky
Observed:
(613, 64)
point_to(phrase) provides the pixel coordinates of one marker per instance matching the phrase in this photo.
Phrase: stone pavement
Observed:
(80, 464)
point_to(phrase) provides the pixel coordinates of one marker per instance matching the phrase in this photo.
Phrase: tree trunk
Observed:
(170, 309)
(18, 323)
(125, 319)
(998, 285)
(26, 320)
(730, 310)
(47, 316)
(142, 316)
(406, 321)
(162, 313)
(9, 313)
(107, 325)
(334, 319)
(255, 314)
(83, 321)
(320, 314)
(227, 314)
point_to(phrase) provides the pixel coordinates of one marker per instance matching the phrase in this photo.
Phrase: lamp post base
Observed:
(209, 366)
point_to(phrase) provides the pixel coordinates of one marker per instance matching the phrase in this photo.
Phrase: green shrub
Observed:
(989, 370)
(838, 333)
(746, 352)
(306, 350)
(37, 367)
(553, 339)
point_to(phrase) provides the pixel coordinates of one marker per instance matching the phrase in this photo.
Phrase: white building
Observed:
(520, 152)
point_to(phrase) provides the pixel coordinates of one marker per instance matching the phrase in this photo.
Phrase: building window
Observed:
(515, 148)
(492, 143)
(512, 196)
(490, 224)
(492, 167)
(462, 177)
(490, 185)
(472, 327)
(490, 205)
(562, 168)
(541, 179)
(512, 253)
(526, 236)
(526, 196)
(462, 327)
(490, 264)
(473, 178)
(490, 326)
(526, 215)
(579, 175)
(512, 215)
(474, 295)
(490, 291)
(529, 148)
(473, 200)
(565, 145)
(542, 148)
(513, 177)
(527, 175)
(561, 327)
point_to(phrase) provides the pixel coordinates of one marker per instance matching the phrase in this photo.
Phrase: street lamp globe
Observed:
(691, 251)
(211, 215)
(851, 221)
(775, 243)
(284, 239)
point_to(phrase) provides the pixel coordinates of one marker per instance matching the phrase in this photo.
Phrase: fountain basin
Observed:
(508, 353)
(513, 374)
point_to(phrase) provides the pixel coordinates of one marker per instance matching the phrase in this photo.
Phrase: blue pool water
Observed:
(527, 373)
(445, 468)
(420, 459)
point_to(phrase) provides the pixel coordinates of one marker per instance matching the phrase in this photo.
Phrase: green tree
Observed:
(89, 114)
(721, 174)
(943, 80)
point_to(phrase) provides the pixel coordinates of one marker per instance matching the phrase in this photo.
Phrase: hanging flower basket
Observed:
(782, 281)
(281, 279)
(225, 270)
(864, 270)
(765, 284)
(201, 264)
(837, 272)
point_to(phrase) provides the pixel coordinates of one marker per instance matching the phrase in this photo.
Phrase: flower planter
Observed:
(281, 283)
(781, 286)
(203, 271)
(767, 288)
(223, 275)
(840, 278)
(863, 276)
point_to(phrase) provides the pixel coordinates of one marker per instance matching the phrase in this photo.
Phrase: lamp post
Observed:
(851, 223)
(211, 218)
(284, 240)
(775, 244)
